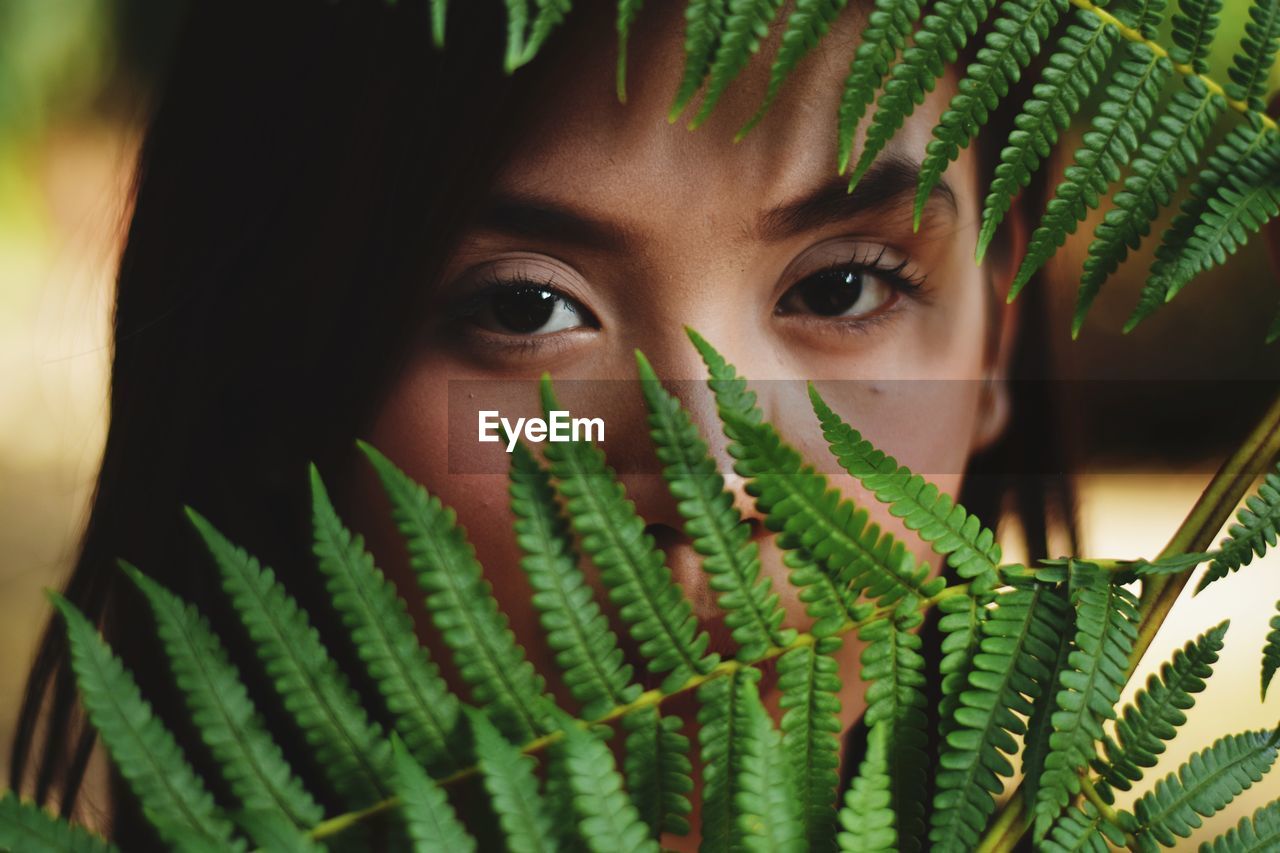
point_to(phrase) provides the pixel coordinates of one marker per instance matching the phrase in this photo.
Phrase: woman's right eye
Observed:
(527, 309)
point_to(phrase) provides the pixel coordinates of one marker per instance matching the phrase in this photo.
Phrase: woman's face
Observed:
(611, 230)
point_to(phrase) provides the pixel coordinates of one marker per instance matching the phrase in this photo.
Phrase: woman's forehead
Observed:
(584, 145)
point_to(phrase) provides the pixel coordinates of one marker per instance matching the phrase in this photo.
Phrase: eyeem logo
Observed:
(559, 427)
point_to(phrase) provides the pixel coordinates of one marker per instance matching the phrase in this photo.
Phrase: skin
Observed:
(680, 235)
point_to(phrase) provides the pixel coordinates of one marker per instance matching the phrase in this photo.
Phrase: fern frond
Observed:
(1019, 641)
(1201, 787)
(1157, 710)
(746, 23)
(1088, 690)
(828, 602)
(713, 523)
(586, 650)
(970, 548)
(1145, 16)
(631, 565)
(517, 31)
(1252, 64)
(27, 827)
(171, 795)
(1105, 148)
(961, 628)
(424, 710)
(550, 15)
(894, 669)
(627, 12)
(809, 681)
(1069, 77)
(806, 25)
(270, 830)
(1256, 530)
(1271, 653)
(1082, 829)
(704, 22)
(1238, 145)
(720, 740)
(1014, 38)
(763, 788)
(942, 35)
(1168, 153)
(1194, 26)
(1245, 200)
(609, 822)
(867, 817)
(250, 761)
(462, 607)
(513, 788)
(658, 771)
(350, 749)
(888, 27)
(1036, 743)
(1256, 833)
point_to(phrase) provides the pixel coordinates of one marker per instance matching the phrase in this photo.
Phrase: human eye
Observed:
(862, 283)
(517, 304)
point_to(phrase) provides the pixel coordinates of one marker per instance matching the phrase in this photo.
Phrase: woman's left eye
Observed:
(839, 293)
(527, 310)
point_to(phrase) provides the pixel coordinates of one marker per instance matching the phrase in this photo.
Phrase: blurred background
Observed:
(1155, 411)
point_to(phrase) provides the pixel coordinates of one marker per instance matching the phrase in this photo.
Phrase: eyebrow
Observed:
(889, 183)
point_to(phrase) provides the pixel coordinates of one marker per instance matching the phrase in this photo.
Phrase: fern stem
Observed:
(648, 699)
(1159, 592)
(1130, 34)
(1104, 808)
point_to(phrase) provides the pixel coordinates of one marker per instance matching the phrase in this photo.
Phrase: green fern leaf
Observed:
(513, 788)
(271, 830)
(1036, 743)
(558, 797)
(1019, 641)
(888, 27)
(1088, 690)
(1252, 65)
(1014, 38)
(828, 602)
(1246, 199)
(1082, 829)
(809, 681)
(586, 650)
(517, 30)
(350, 749)
(1069, 77)
(715, 526)
(720, 741)
(658, 771)
(439, 11)
(1271, 654)
(1168, 153)
(1145, 16)
(806, 25)
(28, 828)
(942, 35)
(1105, 148)
(703, 29)
(424, 710)
(1257, 833)
(1235, 148)
(1157, 710)
(970, 548)
(1201, 787)
(867, 817)
(961, 627)
(764, 788)
(1194, 26)
(550, 15)
(1256, 530)
(250, 761)
(631, 565)
(746, 23)
(609, 822)
(172, 797)
(462, 606)
(627, 12)
(894, 670)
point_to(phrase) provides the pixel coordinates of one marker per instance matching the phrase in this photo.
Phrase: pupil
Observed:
(832, 292)
(524, 309)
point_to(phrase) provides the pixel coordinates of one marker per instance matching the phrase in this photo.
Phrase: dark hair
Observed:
(300, 179)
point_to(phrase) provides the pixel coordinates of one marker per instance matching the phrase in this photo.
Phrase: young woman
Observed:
(340, 232)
